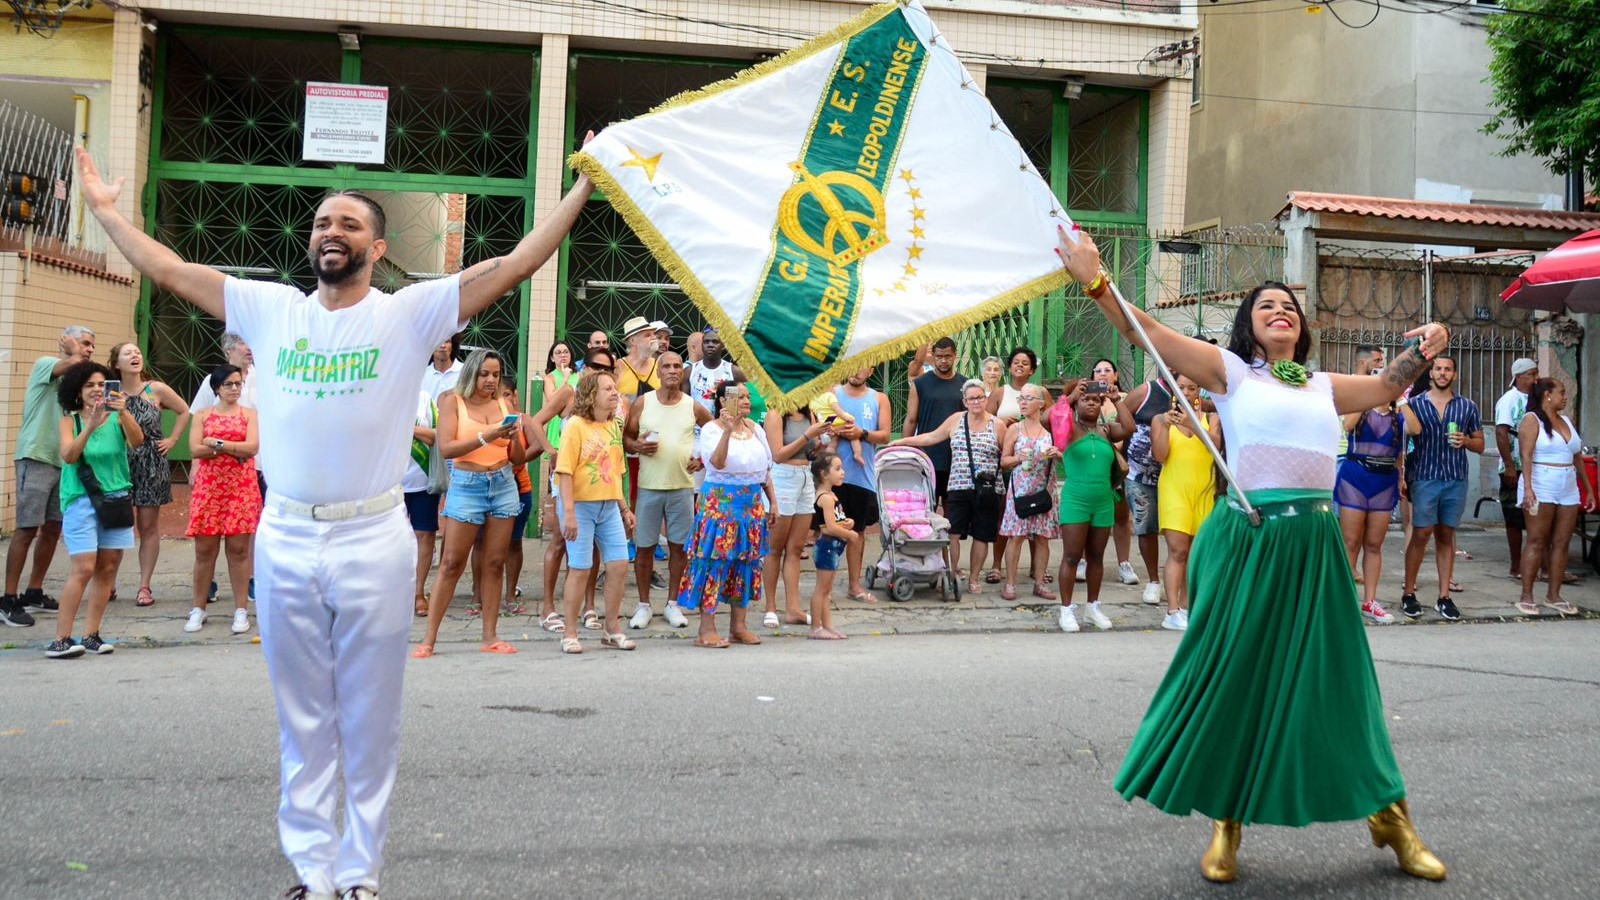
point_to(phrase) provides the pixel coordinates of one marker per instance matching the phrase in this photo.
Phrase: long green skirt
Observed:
(1270, 712)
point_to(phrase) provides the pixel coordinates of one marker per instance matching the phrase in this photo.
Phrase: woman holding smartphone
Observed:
(152, 473)
(96, 434)
(226, 504)
(475, 428)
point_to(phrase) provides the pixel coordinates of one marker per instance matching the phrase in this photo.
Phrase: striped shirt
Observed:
(1435, 459)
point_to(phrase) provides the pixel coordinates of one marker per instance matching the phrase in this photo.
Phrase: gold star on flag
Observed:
(914, 253)
(908, 175)
(918, 213)
(916, 193)
(647, 163)
(899, 285)
(835, 128)
(911, 272)
(918, 232)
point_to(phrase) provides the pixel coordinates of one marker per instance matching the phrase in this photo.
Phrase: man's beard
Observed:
(1442, 384)
(354, 264)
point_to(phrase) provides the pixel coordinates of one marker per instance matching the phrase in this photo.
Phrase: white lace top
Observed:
(1278, 436)
(749, 459)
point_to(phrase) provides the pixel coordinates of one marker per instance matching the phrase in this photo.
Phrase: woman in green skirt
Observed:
(1270, 712)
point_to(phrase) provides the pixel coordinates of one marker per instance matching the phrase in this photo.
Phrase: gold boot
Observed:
(1221, 862)
(1391, 827)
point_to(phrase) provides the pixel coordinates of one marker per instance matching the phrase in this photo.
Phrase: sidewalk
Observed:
(1487, 596)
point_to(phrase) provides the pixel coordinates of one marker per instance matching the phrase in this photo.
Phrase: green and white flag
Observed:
(837, 205)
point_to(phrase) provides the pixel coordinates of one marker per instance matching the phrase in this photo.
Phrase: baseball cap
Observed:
(659, 325)
(1522, 366)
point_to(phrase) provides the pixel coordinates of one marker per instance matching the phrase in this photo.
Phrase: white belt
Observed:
(333, 512)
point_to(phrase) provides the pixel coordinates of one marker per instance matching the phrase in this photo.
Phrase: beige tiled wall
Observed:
(552, 146)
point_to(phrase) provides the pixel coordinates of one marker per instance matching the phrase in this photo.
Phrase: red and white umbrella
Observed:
(1567, 279)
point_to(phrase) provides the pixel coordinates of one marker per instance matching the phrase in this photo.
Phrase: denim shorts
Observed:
(828, 551)
(599, 522)
(1144, 506)
(1437, 503)
(474, 496)
(80, 529)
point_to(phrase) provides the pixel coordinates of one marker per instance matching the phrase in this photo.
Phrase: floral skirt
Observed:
(727, 548)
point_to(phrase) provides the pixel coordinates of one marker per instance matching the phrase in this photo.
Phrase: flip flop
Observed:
(1464, 554)
(1456, 588)
(992, 576)
(864, 597)
(423, 651)
(1527, 607)
(1009, 592)
(498, 647)
(422, 607)
(145, 598)
(1043, 593)
(974, 587)
(1564, 608)
(715, 643)
(744, 637)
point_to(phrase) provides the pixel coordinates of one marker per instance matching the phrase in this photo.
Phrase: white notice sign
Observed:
(345, 122)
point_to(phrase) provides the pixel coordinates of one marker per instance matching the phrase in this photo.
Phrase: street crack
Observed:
(570, 712)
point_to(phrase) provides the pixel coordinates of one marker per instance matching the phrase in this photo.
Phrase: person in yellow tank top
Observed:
(1185, 494)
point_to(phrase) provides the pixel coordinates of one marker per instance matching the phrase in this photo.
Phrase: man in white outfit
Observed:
(337, 383)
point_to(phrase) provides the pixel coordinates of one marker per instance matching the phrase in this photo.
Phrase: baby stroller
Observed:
(916, 541)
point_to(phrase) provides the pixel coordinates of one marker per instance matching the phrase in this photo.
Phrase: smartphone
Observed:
(508, 421)
(113, 385)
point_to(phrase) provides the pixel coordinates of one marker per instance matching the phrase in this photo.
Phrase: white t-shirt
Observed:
(1278, 436)
(436, 382)
(703, 382)
(416, 477)
(206, 397)
(334, 386)
(1509, 410)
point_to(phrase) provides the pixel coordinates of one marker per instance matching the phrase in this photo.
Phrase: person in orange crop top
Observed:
(475, 427)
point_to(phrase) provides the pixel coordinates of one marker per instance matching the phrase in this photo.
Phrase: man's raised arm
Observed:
(200, 285)
(488, 281)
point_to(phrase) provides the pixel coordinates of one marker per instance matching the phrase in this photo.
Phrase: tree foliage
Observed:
(1545, 74)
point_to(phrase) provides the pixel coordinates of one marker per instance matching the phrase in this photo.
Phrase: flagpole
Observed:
(1194, 417)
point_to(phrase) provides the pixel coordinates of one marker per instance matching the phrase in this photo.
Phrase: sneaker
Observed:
(241, 621)
(1125, 572)
(212, 594)
(93, 644)
(38, 601)
(1447, 610)
(1083, 570)
(661, 552)
(1152, 593)
(1068, 621)
(1184, 615)
(12, 614)
(197, 617)
(657, 582)
(301, 892)
(1175, 621)
(641, 618)
(675, 616)
(1377, 613)
(251, 591)
(63, 648)
(1410, 606)
(1099, 618)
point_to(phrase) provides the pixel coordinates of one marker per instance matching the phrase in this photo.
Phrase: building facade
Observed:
(487, 98)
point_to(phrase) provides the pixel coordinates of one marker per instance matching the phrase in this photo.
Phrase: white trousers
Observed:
(334, 630)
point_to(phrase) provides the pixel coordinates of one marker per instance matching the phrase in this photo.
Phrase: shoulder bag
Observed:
(115, 511)
(987, 486)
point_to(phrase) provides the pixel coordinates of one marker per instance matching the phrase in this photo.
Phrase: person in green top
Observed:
(38, 466)
(95, 432)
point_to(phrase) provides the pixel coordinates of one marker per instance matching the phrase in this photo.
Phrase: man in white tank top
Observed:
(710, 371)
(661, 428)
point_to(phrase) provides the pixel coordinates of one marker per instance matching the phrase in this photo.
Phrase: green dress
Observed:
(1270, 712)
(1086, 494)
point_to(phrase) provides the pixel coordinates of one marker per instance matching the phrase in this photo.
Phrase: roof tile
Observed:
(1439, 211)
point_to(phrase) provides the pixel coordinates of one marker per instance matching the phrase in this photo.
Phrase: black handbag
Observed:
(986, 484)
(113, 511)
(1029, 505)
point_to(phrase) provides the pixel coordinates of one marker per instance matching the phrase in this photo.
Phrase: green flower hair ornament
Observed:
(1290, 372)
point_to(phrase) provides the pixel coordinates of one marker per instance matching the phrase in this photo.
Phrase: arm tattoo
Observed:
(1405, 369)
(490, 267)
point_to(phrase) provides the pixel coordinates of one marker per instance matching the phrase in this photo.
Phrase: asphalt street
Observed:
(940, 766)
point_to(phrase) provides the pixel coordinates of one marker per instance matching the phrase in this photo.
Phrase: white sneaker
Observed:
(1125, 572)
(1099, 618)
(1068, 621)
(1176, 621)
(641, 618)
(675, 616)
(1083, 570)
(197, 617)
(1152, 592)
(241, 621)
